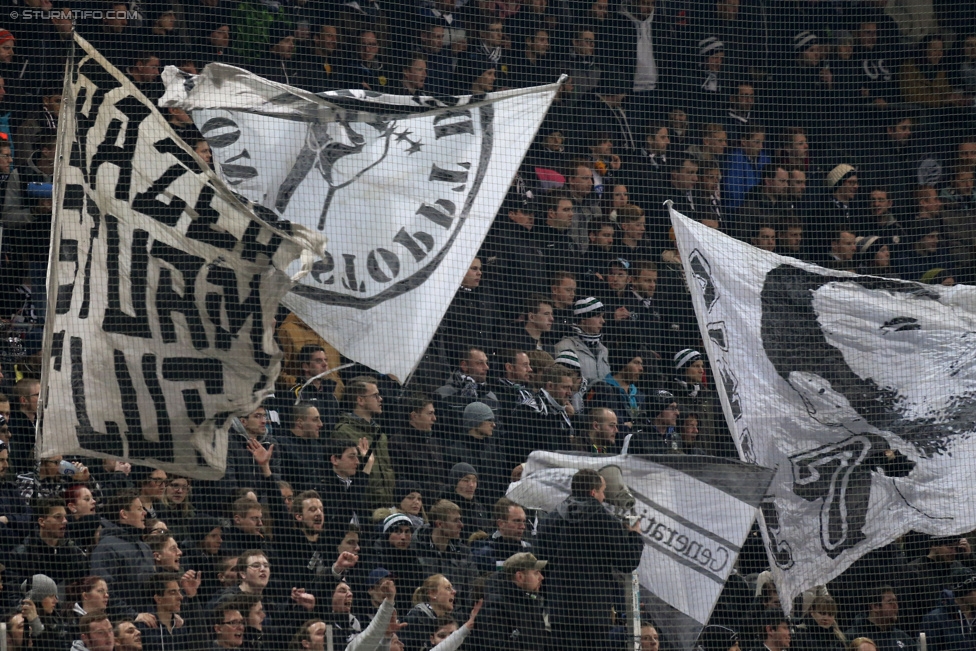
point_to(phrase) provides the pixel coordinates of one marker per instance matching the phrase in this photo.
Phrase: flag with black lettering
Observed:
(426, 176)
(859, 391)
(163, 287)
(694, 512)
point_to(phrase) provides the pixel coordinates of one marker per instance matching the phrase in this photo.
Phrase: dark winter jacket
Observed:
(120, 558)
(379, 492)
(584, 545)
(512, 619)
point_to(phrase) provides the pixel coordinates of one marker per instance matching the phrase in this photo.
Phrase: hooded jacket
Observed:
(513, 619)
(584, 546)
(120, 558)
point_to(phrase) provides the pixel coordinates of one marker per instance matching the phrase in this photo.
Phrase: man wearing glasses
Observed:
(228, 626)
(255, 572)
(364, 401)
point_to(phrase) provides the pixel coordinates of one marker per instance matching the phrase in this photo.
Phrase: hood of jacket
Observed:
(577, 510)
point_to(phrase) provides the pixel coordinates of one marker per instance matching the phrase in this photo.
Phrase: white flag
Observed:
(858, 390)
(695, 513)
(163, 288)
(403, 188)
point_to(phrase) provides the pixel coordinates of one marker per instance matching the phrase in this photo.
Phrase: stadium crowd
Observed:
(833, 132)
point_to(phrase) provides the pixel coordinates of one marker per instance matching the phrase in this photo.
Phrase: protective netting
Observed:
(510, 392)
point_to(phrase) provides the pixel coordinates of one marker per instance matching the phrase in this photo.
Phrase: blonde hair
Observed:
(858, 641)
(422, 594)
(826, 605)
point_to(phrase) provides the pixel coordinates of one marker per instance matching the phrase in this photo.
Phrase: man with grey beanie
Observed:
(478, 447)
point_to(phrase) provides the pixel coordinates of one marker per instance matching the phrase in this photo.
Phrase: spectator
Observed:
(939, 625)
(602, 434)
(661, 434)
(562, 293)
(366, 70)
(152, 487)
(440, 61)
(507, 539)
(931, 574)
(228, 626)
(842, 209)
(557, 236)
(53, 476)
(874, 257)
(533, 334)
(586, 340)
(739, 117)
(432, 600)
(417, 454)
(461, 487)
(538, 66)
(619, 391)
(21, 425)
(879, 622)
(175, 507)
(46, 550)
(441, 548)
(842, 248)
(766, 203)
(40, 611)
(469, 322)
(653, 164)
(121, 557)
(745, 164)
(344, 489)
(599, 253)
(516, 615)
(247, 527)
(583, 66)
(775, 630)
(127, 637)
(168, 633)
(683, 188)
(584, 545)
(694, 395)
(467, 384)
(410, 502)
(96, 633)
(363, 397)
(478, 448)
(634, 58)
(924, 78)
(393, 551)
(818, 629)
(15, 515)
(203, 542)
(885, 223)
(302, 451)
(316, 385)
(558, 386)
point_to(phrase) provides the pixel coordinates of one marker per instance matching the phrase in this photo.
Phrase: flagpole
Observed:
(62, 149)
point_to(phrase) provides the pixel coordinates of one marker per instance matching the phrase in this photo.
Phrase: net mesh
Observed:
(716, 434)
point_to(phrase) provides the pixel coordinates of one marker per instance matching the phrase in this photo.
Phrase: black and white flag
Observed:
(695, 513)
(859, 391)
(163, 286)
(403, 188)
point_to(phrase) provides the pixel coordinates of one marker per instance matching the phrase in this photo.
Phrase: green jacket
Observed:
(379, 491)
